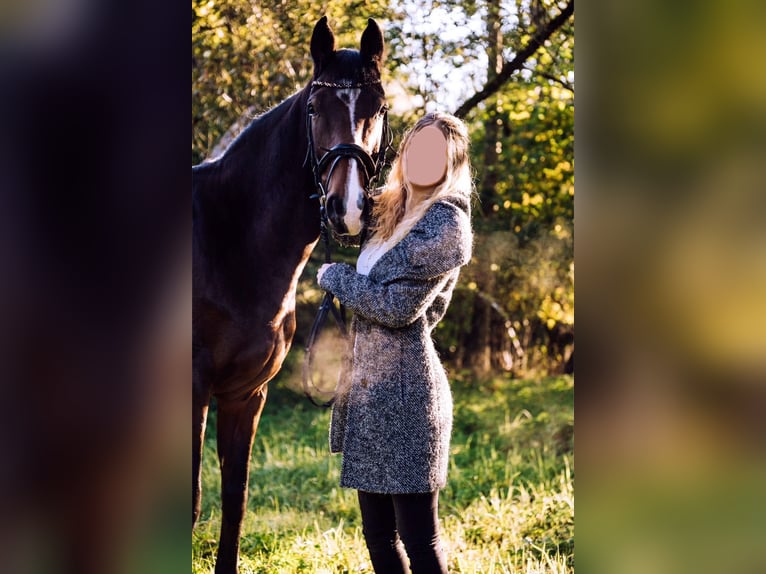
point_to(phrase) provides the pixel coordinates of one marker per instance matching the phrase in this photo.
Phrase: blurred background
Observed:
(671, 259)
(95, 287)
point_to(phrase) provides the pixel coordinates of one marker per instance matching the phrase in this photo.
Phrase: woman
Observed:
(392, 417)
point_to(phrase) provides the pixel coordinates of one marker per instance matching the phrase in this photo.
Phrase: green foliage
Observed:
(523, 156)
(535, 150)
(249, 56)
(508, 505)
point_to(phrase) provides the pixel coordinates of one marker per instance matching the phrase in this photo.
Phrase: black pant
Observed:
(390, 519)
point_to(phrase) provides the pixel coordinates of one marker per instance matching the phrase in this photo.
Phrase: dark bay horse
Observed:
(255, 225)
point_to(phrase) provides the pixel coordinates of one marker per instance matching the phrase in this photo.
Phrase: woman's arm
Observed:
(393, 304)
(439, 243)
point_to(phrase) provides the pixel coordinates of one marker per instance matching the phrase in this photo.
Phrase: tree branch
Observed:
(517, 63)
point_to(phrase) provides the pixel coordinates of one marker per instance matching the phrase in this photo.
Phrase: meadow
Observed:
(508, 506)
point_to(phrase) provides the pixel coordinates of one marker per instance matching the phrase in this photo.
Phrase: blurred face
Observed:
(426, 157)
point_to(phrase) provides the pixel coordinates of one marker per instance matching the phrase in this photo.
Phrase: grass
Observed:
(508, 506)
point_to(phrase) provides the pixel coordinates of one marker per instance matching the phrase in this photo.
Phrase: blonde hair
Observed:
(397, 209)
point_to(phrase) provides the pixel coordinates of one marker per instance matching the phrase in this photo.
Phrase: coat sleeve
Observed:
(439, 243)
(394, 304)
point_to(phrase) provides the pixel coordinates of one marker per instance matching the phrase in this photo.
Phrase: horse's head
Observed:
(347, 122)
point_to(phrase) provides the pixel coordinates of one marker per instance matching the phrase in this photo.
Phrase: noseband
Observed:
(371, 167)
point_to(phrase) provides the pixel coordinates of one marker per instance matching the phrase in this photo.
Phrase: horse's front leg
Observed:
(200, 402)
(237, 423)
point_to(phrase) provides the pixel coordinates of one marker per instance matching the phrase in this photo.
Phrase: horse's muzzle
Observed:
(335, 214)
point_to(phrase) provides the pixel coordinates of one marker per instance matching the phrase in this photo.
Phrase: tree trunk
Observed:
(479, 348)
(488, 185)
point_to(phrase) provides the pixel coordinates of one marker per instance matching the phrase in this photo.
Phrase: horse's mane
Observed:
(260, 129)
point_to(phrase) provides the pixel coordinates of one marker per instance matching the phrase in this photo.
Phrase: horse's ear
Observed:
(322, 44)
(372, 43)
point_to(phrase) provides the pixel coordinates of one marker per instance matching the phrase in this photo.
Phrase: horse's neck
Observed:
(276, 141)
(269, 185)
(262, 173)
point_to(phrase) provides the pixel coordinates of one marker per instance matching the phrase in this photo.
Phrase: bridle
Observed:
(371, 170)
(371, 167)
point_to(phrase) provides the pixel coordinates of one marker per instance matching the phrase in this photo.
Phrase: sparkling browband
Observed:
(344, 84)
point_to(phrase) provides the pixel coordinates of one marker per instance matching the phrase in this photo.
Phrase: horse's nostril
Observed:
(335, 207)
(335, 213)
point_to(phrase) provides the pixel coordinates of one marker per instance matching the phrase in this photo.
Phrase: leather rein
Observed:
(371, 169)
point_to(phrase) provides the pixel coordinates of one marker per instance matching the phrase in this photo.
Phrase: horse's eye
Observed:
(383, 109)
(311, 110)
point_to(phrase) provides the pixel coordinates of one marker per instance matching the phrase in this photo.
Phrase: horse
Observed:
(256, 220)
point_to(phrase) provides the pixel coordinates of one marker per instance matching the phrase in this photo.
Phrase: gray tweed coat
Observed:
(392, 418)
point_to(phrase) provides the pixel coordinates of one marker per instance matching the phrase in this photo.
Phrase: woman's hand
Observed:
(322, 269)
